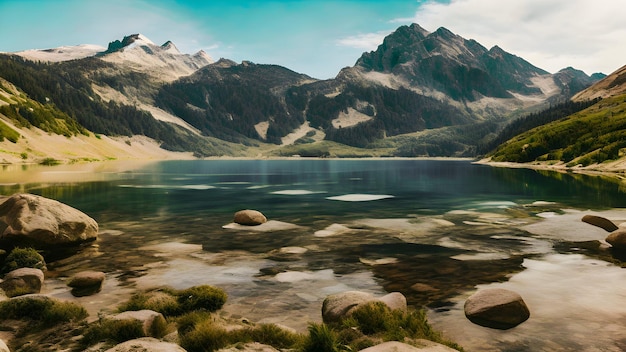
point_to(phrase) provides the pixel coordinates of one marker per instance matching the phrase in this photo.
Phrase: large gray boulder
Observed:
(423, 346)
(496, 308)
(600, 222)
(148, 318)
(146, 344)
(341, 305)
(617, 239)
(22, 281)
(27, 219)
(249, 217)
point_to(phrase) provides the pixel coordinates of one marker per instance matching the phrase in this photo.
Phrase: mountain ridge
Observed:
(451, 90)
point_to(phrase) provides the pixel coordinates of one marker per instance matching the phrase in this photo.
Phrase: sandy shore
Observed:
(35, 145)
(613, 169)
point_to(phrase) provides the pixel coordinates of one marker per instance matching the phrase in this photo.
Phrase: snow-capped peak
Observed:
(166, 62)
(170, 48)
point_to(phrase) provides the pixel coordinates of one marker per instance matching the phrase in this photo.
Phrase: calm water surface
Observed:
(433, 230)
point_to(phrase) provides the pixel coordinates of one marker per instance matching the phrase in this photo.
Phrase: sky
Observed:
(319, 37)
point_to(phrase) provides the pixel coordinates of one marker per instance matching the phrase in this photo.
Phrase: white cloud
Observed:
(588, 35)
(366, 41)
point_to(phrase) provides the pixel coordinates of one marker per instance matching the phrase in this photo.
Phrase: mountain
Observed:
(163, 62)
(63, 53)
(611, 85)
(489, 83)
(418, 94)
(592, 137)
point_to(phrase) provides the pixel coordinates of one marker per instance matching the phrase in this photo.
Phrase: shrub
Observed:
(204, 336)
(201, 297)
(188, 322)
(111, 330)
(42, 310)
(49, 162)
(23, 258)
(163, 301)
(321, 339)
(275, 336)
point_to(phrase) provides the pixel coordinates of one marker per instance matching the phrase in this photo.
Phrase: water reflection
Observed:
(430, 229)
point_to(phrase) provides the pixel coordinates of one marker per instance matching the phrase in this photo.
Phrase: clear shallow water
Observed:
(434, 230)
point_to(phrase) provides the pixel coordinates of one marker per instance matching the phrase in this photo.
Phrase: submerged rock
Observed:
(341, 305)
(249, 217)
(27, 219)
(496, 308)
(22, 281)
(600, 222)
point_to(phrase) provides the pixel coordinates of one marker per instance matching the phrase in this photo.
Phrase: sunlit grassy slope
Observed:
(594, 135)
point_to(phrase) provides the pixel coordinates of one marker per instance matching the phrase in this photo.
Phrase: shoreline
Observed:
(616, 169)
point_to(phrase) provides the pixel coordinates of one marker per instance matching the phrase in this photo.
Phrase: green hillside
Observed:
(593, 135)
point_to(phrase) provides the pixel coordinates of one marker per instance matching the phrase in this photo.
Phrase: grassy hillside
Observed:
(592, 136)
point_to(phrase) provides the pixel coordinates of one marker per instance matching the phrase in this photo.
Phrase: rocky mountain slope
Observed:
(611, 85)
(419, 93)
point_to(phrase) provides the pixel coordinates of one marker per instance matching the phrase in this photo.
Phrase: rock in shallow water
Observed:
(496, 308)
(617, 239)
(600, 222)
(341, 305)
(86, 283)
(22, 281)
(249, 217)
(27, 219)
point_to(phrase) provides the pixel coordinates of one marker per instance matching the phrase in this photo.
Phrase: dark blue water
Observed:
(217, 188)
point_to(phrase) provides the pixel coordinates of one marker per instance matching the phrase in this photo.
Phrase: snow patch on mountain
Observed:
(63, 53)
(350, 118)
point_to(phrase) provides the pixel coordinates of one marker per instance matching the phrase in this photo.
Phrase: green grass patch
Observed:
(592, 136)
(199, 332)
(23, 258)
(170, 302)
(41, 311)
(8, 133)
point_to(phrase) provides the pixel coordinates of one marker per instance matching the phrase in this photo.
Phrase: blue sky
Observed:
(319, 37)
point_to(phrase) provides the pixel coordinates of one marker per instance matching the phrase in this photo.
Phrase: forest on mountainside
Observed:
(530, 121)
(62, 91)
(593, 135)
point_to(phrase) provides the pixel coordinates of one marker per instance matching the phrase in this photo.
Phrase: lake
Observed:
(435, 230)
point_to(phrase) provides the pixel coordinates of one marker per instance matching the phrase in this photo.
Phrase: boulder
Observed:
(617, 239)
(341, 305)
(423, 346)
(148, 318)
(249, 217)
(86, 283)
(22, 281)
(41, 222)
(496, 308)
(394, 300)
(146, 344)
(249, 347)
(600, 222)
(4, 347)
